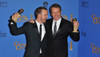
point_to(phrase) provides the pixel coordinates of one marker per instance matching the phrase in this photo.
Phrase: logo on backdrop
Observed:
(85, 4)
(19, 46)
(96, 19)
(3, 3)
(95, 49)
(45, 4)
(24, 18)
(83, 33)
(2, 34)
(65, 17)
(71, 45)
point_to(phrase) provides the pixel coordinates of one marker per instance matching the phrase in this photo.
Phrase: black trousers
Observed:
(41, 55)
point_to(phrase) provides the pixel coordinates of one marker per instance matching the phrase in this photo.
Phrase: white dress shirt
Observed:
(43, 31)
(57, 24)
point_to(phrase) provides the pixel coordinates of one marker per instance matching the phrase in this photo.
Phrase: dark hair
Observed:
(38, 11)
(54, 5)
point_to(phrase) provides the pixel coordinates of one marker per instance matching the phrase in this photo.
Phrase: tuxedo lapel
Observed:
(60, 27)
(36, 29)
(51, 23)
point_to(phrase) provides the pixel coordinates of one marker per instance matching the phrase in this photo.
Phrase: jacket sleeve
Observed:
(15, 30)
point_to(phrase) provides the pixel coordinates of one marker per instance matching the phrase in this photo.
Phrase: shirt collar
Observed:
(38, 22)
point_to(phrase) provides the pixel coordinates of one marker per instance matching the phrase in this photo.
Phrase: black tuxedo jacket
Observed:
(58, 46)
(33, 42)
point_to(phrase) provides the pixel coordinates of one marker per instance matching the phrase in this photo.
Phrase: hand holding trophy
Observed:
(75, 24)
(17, 15)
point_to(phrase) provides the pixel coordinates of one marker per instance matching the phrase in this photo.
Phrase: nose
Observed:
(56, 14)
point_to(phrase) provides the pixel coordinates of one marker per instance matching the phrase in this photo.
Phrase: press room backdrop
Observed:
(89, 18)
(86, 12)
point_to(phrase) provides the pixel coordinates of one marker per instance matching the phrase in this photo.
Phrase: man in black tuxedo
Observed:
(59, 31)
(36, 33)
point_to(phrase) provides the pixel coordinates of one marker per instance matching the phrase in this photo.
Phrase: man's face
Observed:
(55, 13)
(44, 15)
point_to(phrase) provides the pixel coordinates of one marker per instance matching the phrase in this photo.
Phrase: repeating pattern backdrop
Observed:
(86, 11)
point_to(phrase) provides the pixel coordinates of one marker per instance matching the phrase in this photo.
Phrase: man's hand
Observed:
(31, 21)
(15, 17)
(76, 25)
